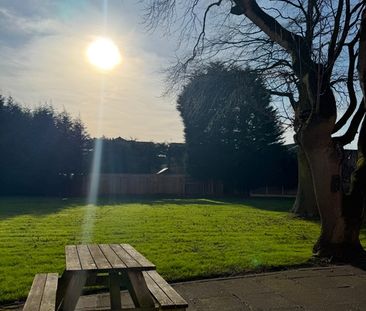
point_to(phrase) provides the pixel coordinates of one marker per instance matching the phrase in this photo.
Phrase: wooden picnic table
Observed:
(109, 264)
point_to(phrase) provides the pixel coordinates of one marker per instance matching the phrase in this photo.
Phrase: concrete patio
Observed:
(324, 288)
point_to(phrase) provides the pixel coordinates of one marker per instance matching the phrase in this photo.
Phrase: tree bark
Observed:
(305, 203)
(354, 202)
(324, 156)
(316, 116)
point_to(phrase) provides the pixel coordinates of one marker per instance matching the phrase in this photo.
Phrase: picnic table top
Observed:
(105, 257)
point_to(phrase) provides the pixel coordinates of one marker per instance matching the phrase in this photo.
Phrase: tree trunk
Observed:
(305, 203)
(316, 115)
(339, 233)
(355, 201)
(324, 162)
(340, 223)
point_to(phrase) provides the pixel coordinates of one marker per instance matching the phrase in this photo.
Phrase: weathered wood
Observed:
(49, 294)
(35, 294)
(128, 260)
(123, 263)
(74, 290)
(86, 259)
(112, 257)
(42, 295)
(138, 257)
(177, 300)
(114, 290)
(72, 258)
(143, 296)
(99, 258)
(63, 284)
(157, 292)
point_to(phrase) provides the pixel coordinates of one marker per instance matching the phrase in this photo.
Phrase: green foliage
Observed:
(185, 238)
(40, 149)
(231, 130)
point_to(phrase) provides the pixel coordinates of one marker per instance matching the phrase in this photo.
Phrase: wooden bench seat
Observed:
(42, 295)
(166, 297)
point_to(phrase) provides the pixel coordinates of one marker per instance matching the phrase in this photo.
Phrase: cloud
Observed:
(20, 24)
(46, 63)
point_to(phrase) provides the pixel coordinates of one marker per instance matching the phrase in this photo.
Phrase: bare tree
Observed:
(307, 50)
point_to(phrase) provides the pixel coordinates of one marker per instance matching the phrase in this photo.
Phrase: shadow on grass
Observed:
(17, 206)
(40, 206)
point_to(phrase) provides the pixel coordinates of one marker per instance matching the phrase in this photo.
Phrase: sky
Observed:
(43, 61)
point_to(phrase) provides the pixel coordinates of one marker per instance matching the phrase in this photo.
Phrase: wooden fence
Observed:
(273, 192)
(151, 184)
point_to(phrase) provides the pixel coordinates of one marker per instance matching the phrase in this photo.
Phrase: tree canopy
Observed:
(232, 132)
(40, 149)
(307, 49)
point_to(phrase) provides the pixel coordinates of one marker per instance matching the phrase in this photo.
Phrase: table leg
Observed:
(63, 283)
(140, 290)
(115, 292)
(74, 287)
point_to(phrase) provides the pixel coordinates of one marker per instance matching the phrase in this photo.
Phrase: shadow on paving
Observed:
(319, 288)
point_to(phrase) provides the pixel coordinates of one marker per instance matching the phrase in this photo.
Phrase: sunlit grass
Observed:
(185, 238)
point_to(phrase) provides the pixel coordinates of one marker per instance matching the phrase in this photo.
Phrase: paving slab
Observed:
(335, 288)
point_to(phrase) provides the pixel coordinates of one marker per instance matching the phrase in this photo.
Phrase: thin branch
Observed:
(289, 95)
(334, 37)
(350, 86)
(349, 136)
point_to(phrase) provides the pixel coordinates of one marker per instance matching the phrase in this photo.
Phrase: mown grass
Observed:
(185, 238)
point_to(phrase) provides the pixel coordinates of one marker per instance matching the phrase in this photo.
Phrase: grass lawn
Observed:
(185, 238)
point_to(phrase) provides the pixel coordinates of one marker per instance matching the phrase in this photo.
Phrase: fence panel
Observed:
(150, 184)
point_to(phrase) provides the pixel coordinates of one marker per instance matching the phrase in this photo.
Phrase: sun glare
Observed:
(103, 53)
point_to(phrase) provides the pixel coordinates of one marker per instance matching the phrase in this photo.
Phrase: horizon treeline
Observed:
(45, 152)
(40, 149)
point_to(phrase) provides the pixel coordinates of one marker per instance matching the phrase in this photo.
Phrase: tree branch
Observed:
(288, 40)
(361, 66)
(289, 95)
(350, 86)
(334, 37)
(349, 136)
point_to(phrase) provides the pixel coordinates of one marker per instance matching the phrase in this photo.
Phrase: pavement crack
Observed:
(243, 303)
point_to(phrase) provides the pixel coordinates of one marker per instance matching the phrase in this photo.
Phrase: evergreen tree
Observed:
(231, 130)
(41, 150)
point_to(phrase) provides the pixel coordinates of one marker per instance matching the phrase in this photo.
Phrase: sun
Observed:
(103, 53)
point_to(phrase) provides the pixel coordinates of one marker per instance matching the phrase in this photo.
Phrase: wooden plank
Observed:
(63, 284)
(168, 290)
(74, 290)
(86, 259)
(35, 294)
(111, 256)
(115, 291)
(49, 295)
(138, 257)
(125, 257)
(72, 258)
(140, 289)
(157, 292)
(98, 256)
